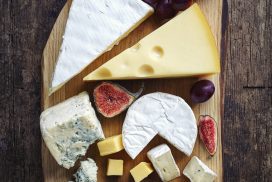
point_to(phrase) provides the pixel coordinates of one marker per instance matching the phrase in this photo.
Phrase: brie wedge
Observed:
(94, 27)
(163, 162)
(197, 171)
(159, 113)
(87, 171)
(69, 128)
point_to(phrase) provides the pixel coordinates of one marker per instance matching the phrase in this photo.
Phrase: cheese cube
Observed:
(197, 171)
(115, 167)
(141, 171)
(110, 145)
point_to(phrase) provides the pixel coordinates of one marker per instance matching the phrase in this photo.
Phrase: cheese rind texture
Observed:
(159, 113)
(184, 46)
(197, 171)
(69, 128)
(87, 171)
(94, 27)
(141, 171)
(110, 145)
(164, 162)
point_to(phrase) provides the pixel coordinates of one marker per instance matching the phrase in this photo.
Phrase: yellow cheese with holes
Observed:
(115, 167)
(110, 145)
(141, 171)
(184, 46)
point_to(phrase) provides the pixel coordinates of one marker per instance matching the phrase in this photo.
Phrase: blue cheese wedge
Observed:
(69, 128)
(197, 171)
(87, 171)
(159, 113)
(163, 162)
(94, 27)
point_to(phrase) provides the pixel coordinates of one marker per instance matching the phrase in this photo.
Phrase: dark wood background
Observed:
(247, 73)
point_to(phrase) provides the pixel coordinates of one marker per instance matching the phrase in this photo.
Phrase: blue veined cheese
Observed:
(94, 27)
(69, 128)
(87, 171)
(197, 171)
(159, 113)
(164, 162)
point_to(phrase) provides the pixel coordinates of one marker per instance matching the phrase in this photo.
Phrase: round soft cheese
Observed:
(159, 113)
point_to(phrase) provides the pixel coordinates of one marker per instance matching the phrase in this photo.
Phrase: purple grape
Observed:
(165, 10)
(202, 91)
(180, 5)
(152, 3)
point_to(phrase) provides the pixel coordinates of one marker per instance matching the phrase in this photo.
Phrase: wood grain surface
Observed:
(181, 87)
(24, 29)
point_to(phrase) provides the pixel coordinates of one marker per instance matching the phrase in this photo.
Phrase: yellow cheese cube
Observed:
(115, 167)
(110, 145)
(141, 171)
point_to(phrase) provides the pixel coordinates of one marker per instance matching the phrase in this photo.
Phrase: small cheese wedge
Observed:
(69, 128)
(184, 46)
(163, 162)
(141, 171)
(110, 145)
(87, 171)
(115, 167)
(159, 113)
(94, 27)
(197, 171)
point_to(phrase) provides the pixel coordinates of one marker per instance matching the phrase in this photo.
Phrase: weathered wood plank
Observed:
(24, 29)
(248, 92)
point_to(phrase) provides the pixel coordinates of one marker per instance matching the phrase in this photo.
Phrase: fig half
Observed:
(112, 99)
(208, 133)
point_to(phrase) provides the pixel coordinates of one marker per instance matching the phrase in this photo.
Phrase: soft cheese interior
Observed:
(94, 27)
(69, 128)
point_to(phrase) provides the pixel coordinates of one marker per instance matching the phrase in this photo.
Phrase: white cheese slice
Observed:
(163, 162)
(87, 171)
(197, 171)
(159, 113)
(94, 27)
(69, 128)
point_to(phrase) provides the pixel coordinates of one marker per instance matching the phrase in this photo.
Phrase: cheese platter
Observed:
(159, 108)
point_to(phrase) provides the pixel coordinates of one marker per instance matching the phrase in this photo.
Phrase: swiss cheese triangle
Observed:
(184, 46)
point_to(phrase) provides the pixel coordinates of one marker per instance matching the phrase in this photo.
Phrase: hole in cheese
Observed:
(104, 72)
(146, 70)
(156, 52)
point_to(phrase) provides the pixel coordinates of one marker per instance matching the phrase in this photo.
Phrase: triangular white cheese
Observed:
(94, 27)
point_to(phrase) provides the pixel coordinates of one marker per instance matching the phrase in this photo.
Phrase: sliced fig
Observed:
(208, 133)
(112, 99)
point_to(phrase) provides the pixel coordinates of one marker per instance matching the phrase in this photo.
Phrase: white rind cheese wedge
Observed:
(94, 27)
(197, 171)
(87, 171)
(163, 162)
(69, 128)
(159, 113)
(184, 46)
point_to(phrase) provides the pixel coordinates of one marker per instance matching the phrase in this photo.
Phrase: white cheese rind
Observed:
(94, 27)
(197, 171)
(87, 171)
(159, 113)
(163, 162)
(69, 128)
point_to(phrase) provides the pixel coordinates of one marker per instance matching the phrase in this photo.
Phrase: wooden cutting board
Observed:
(181, 87)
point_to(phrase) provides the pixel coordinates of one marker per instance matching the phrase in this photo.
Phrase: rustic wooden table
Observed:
(247, 73)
